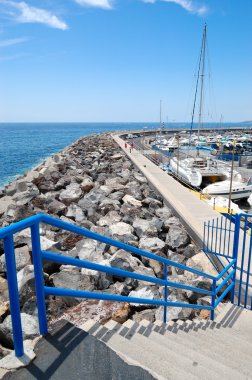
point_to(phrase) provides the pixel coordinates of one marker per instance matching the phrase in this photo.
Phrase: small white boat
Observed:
(240, 189)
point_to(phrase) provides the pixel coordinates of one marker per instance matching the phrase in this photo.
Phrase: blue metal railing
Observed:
(234, 236)
(42, 291)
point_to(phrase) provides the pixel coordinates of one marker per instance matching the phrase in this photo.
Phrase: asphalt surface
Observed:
(71, 353)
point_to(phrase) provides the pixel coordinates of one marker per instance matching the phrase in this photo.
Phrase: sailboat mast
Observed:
(160, 114)
(197, 85)
(202, 79)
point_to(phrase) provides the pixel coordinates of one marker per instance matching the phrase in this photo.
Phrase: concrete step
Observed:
(193, 362)
(140, 353)
(215, 369)
(218, 346)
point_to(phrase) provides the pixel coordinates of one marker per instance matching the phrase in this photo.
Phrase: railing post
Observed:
(235, 252)
(165, 291)
(13, 295)
(213, 300)
(39, 278)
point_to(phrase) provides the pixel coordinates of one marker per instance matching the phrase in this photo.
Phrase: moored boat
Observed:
(239, 190)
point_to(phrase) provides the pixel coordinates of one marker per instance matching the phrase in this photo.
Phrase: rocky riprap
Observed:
(93, 184)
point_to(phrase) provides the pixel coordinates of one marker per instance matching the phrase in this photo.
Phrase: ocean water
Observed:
(25, 145)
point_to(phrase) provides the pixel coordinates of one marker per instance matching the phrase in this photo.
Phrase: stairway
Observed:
(184, 350)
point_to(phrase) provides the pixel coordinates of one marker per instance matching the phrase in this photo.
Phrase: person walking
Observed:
(126, 145)
(131, 147)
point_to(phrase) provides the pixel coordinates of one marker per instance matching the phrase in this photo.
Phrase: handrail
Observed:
(118, 272)
(33, 222)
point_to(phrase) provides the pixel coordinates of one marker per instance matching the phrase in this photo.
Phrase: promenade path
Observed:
(191, 210)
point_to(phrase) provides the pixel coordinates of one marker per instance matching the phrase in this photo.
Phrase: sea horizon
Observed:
(24, 145)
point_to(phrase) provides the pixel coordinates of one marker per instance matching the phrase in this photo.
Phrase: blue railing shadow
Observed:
(42, 291)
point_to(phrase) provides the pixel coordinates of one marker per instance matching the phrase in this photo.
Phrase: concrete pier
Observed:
(192, 211)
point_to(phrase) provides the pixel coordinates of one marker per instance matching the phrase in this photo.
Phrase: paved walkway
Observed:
(192, 211)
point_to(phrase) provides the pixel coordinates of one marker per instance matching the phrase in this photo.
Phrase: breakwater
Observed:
(93, 184)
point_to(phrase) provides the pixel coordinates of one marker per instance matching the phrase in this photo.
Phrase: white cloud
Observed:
(189, 5)
(105, 4)
(12, 41)
(24, 13)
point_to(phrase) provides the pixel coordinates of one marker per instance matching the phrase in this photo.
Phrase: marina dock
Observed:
(193, 212)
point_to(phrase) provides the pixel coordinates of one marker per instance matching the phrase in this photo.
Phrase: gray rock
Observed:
(5, 202)
(90, 250)
(125, 261)
(134, 191)
(148, 315)
(26, 283)
(115, 184)
(4, 294)
(128, 199)
(140, 178)
(75, 212)
(189, 251)
(177, 237)
(22, 258)
(117, 195)
(23, 197)
(30, 329)
(145, 227)
(174, 313)
(100, 280)
(163, 213)
(56, 207)
(71, 194)
(145, 292)
(122, 231)
(173, 221)
(86, 185)
(120, 288)
(153, 245)
(107, 205)
(71, 278)
(92, 199)
(153, 203)
(111, 217)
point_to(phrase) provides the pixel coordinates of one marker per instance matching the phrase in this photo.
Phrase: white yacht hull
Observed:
(239, 190)
(191, 177)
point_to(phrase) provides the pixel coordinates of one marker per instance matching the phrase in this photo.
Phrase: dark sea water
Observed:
(25, 145)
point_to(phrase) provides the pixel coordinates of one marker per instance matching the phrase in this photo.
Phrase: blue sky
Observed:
(113, 60)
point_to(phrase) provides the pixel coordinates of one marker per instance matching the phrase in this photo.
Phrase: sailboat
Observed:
(197, 170)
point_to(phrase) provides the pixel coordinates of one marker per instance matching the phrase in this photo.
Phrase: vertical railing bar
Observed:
(212, 236)
(242, 260)
(204, 233)
(225, 233)
(221, 229)
(216, 235)
(13, 295)
(213, 300)
(235, 253)
(208, 235)
(248, 270)
(165, 291)
(39, 278)
(229, 233)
